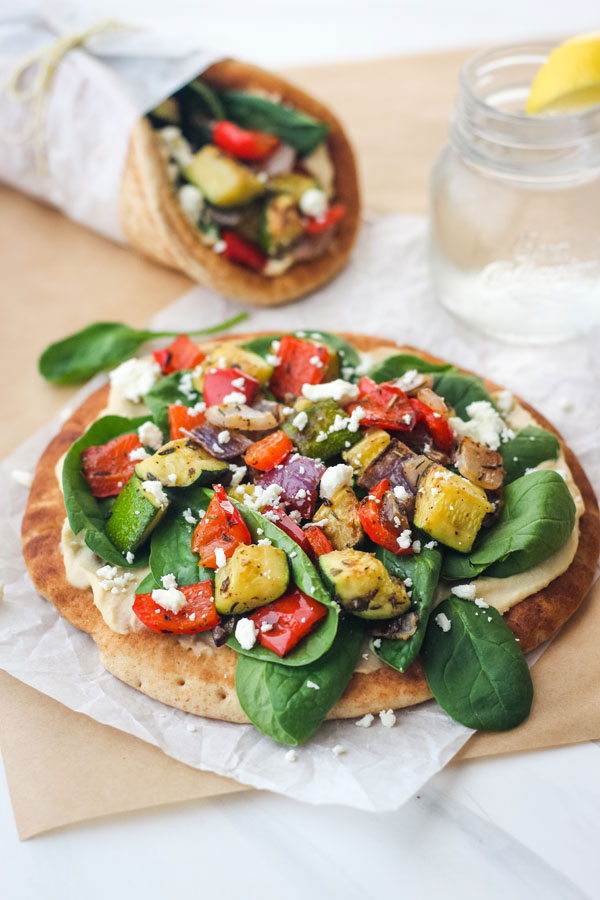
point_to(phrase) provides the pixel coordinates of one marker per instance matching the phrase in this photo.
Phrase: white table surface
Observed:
(520, 827)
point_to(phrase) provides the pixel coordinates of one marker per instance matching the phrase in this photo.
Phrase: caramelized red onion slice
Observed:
(299, 478)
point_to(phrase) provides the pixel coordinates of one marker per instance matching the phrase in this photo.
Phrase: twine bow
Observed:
(47, 59)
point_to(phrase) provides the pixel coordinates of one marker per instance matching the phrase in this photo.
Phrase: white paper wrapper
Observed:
(93, 101)
(385, 290)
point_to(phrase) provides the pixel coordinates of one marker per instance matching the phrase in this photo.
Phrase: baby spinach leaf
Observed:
(536, 521)
(292, 126)
(208, 97)
(424, 570)
(398, 365)
(166, 391)
(347, 354)
(527, 449)
(148, 584)
(278, 700)
(171, 541)
(103, 345)
(459, 390)
(86, 512)
(476, 670)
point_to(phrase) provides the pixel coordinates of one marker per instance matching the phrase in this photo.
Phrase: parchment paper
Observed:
(385, 290)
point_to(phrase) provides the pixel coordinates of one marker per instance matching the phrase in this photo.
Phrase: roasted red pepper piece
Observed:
(384, 533)
(331, 217)
(269, 452)
(287, 524)
(319, 542)
(220, 383)
(291, 618)
(384, 406)
(241, 251)
(109, 467)
(301, 363)
(199, 613)
(221, 526)
(183, 353)
(180, 418)
(243, 143)
(438, 426)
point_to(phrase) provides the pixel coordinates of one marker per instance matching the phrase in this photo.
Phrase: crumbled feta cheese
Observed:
(246, 633)
(300, 421)
(223, 436)
(238, 473)
(464, 591)
(130, 557)
(356, 417)
(504, 401)
(191, 201)
(431, 545)
(172, 477)
(234, 397)
(408, 582)
(135, 377)
(155, 489)
(366, 720)
(316, 361)
(388, 718)
(480, 602)
(565, 404)
(25, 479)
(416, 546)
(313, 202)
(115, 580)
(340, 391)
(291, 756)
(377, 643)
(443, 622)
(269, 496)
(313, 685)
(400, 492)
(220, 557)
(334, 478)
(409, 381)
(338, 750)
(405, 539)
(266, 626)
(190, 725)
(216, 448)
(264, 542)
(199, 407)
(239, 383)
(138, 454)
(220, 247)
(273, 360)
(169, 581)
(169, 598)
(189, 517)
(484, 425)
(322, 436)
(186, 385)
(150, 435)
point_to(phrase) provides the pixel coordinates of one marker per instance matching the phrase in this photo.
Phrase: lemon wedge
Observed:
(569, 80)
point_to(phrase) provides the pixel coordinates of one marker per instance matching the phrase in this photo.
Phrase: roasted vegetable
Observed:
(292, 183)
(222, 180)
(108, 467)
(366, 450)
(223, 444)
(301, 362)
(398, 629)
(384, 522)
(183, 419)
(287, 621)
(222, 384)
(339, 520)
(220, 531)
(198, 614)
(325, 433)
(263, 416)
(480, 465)
(182, 353)
(136, 512)
(450, 508)
(384, 406)
(254, 576)
(281, 225)
(228, 355)
(299, 479)
(391, 465)
(181, 463)
(362, 584)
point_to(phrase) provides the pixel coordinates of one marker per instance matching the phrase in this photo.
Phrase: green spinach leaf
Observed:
(278, 700)
(536, 521)
(171, 541)
(303, 132)
(166, 391)
(103, 345)
(424, 571)
(459, 390)
(527, 449)
(398, 365)
(476, 670)
(86, 512)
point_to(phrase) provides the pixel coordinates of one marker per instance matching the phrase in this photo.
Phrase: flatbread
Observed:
(160, 667)
(154, 222)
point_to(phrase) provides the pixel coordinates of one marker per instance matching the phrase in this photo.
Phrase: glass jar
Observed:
(515, 207)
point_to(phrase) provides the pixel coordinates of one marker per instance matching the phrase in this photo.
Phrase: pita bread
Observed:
(159, 666)
(154, 222)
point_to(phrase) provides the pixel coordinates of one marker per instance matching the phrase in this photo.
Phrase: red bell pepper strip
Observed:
(220, 383)
(180, 418)
(384, 533)
(291, 618)
(269, 452)
(384, 406)
(242, 143)
(241, 251)
(319, 542)
(301, 363)
(183, 353)
(199, 613)
(438, 426)
(319, 224)
(108, 467)
(287, 524)
(221, 527)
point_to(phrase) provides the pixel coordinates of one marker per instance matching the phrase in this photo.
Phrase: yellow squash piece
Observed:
(227, 356)
(362, 454)
(340, 522)
(362, 584)
(222, 180)
(180, 463)
(254, 576)
(450, 508)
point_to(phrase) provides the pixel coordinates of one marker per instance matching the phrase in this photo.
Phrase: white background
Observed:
(524, 827)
